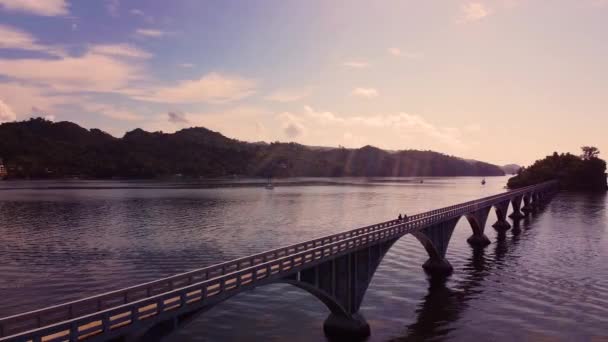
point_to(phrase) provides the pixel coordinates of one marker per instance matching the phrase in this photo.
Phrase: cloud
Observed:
(152, 33)
(407, 54)
(287, 95)
(24, 98)
(113, 7)
(292, 126)
(356, 64)
(365, 92)
(111, 111)
(474, 11)
(74, 73)
(139, 13)
(177, 118)
(393, 130)
(6, 113)
(120, 50)
(394, 51)
(210, 88)
(13, 38)
(36, 7)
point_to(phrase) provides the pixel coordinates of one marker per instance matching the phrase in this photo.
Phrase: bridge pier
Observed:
(528, 207)
(477, 220)
(516, 203)
(341, 284)
(435, 240)
(501, 224)
(339, 327)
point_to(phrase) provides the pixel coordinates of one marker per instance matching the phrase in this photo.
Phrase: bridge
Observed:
(337, 269)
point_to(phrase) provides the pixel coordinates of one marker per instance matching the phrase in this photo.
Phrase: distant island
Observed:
(586, 172)
(38, 148)
(511, 169)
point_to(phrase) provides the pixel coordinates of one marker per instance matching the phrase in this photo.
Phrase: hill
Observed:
(42, 149)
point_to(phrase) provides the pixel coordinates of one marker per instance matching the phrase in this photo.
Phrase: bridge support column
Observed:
(435, 240)
(340, 327)
(341, 284)
(527, 208)
(501, 215)
(477, 220)
(516, 203)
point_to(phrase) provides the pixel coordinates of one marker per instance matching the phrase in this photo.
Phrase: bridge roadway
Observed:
(337, 269)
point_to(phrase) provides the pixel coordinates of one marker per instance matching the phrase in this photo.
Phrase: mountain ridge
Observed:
(38, 148)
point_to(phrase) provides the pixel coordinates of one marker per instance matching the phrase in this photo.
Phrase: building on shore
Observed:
(3, 171)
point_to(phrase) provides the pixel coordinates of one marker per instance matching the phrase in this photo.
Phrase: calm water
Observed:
(547, 281)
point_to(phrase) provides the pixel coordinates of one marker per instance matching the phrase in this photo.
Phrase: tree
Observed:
(589, 152)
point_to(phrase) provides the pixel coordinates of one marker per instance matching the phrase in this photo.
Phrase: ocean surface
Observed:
(547, 280)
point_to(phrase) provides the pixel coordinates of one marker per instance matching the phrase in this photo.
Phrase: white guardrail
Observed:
(95, 315)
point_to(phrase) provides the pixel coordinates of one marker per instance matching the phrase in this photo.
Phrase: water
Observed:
(547, 281)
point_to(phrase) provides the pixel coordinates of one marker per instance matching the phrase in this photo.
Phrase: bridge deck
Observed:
(105, 315)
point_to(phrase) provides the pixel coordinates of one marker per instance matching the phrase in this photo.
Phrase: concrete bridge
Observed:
(336, 269)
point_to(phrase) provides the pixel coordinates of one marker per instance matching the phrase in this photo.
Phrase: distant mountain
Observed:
(510, 169)
(41, 149)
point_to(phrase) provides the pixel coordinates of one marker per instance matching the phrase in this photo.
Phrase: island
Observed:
(586, 172)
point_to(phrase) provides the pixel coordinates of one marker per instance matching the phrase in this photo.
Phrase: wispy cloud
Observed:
(151, 33)
(111, 111)
(120, 50)
(139, 13)
(474, 11)
(287, 95)
(293, 127)
(356, 64)
(177, 118)
(113, 7)
(13, 38)
(397, 52)
(74, 73)
(210, 88)
(365, 92)
(37, 7)
(6, 113)
(324, 126)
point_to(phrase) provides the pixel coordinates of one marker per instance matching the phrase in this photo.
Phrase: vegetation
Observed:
(42, 149)
(585, 172)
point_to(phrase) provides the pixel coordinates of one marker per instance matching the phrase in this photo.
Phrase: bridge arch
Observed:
(343, 320)
(157, 331)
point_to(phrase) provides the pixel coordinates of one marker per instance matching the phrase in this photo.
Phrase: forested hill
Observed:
(41, 149)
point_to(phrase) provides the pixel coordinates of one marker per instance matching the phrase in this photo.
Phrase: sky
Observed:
(503, 81)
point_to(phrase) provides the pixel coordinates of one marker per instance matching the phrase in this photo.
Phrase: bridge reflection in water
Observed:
(336, 269)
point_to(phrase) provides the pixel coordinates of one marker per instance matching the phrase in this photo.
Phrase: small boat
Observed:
(421, 181)
(483, 181)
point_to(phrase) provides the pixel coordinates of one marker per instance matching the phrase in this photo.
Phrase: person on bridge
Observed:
(399, 218)
(404, 217)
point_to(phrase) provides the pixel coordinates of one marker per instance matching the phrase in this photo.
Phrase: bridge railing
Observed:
(136, 294)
